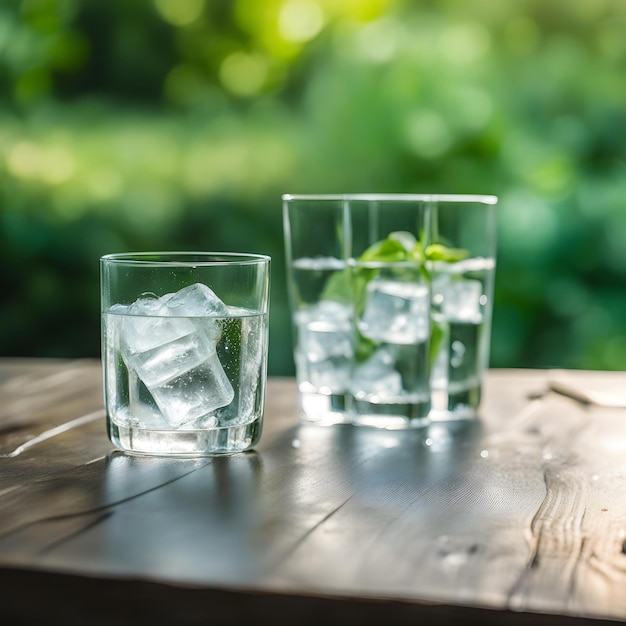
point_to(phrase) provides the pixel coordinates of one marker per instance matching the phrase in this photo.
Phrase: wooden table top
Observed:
(518, 517)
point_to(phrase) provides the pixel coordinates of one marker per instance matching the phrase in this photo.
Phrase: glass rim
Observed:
(185, 258)
(399, 197)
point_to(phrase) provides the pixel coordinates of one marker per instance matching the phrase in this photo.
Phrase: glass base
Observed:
(456, 404)
(327, 410)
(394, 416)
(185, 443)
(324, 409)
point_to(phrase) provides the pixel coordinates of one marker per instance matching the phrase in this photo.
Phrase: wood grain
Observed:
(518, 516)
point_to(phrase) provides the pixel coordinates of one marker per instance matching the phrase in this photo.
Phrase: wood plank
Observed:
(46, 398)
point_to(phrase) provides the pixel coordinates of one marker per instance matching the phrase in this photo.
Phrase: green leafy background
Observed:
(177, 124)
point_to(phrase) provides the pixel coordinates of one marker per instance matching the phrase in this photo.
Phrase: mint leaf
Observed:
(404, 238)
(385, 251)
(439, 252)
(438, 331)
(339, 287)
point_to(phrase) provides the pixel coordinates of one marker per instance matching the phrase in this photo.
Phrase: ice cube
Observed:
(174, 356)
(376, 380)
(171, 358)
(118, 309)
(461, 301)
(197, 300)
(325, 346)
(148, 326)
(325, 331)
(194, 393)
(396, 312)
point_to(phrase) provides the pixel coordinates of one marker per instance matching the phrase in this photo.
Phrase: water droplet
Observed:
(547, 456)
(295, 443)
(455, 554)
(455, 559)
(428, 441)
(457, 353)
(484, 454)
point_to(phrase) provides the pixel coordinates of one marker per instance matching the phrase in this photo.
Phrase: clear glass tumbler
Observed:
(184, 351)
(360, 301)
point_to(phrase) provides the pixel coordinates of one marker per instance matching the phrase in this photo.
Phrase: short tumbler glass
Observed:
(184, 347)
(360, 302)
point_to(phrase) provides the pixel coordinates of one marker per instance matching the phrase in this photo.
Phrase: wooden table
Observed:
(516, 518)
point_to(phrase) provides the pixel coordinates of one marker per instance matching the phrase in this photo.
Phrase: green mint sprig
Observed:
(403, 246)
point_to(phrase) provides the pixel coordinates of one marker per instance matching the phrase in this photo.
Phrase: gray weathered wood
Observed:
(518, 517)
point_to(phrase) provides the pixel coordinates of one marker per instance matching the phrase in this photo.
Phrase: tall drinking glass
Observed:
(184, 346)
(462, 263)
(360, 301)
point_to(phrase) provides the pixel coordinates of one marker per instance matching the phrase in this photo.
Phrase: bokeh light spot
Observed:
(379, 41)
(57, 165)
(184, 84)
(465, 44)
(427, 133)
(552, 175)
(300, 20)
(362, 10)
(244, 74)
(24, 159)
(180, 12)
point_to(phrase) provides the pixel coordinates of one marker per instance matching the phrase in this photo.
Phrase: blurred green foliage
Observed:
(177, 124)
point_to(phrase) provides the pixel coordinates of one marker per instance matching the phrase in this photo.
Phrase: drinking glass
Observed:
(360, 304)
(184, 347)
(461, 263)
